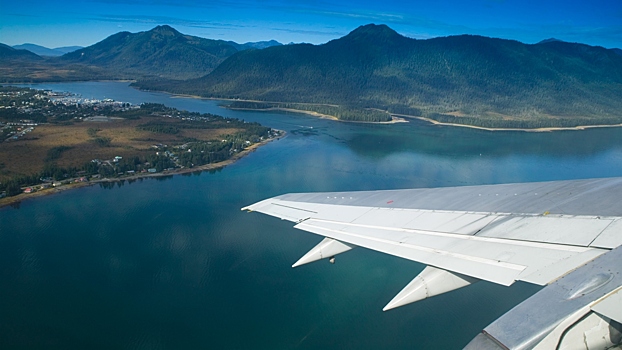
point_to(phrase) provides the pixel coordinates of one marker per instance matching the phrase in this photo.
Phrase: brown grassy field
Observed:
(28, 154)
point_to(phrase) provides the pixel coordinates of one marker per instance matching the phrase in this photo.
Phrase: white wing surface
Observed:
(534, 232)
(563, 234)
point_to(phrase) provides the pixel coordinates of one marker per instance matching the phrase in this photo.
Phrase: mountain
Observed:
(162, 51)
(462, 77)
(67, 49)
(44, 51)
(9, 53)
(617, 51)
(254, 45)
(550, 40)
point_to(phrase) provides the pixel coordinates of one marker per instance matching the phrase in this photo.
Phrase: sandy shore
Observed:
(23, 196)
(546, 129)
(394, 119)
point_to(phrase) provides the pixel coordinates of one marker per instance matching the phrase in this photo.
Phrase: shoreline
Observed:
(544, 129)
(396, 118)
(7, 201)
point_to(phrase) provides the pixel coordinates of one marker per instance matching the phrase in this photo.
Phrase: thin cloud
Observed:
(184, 4)
(21, 15)
(174, 21)
(309, 32)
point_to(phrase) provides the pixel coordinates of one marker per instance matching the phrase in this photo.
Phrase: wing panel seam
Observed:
(486, 261)
(554, 246)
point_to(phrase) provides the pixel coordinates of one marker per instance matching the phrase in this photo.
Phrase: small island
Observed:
(53, 141)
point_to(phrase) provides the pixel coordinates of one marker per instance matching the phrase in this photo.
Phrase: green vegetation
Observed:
(204, 143)
(524, 123)
(365, 76)
(162, 52)
(161, 128)
(159, 53)
(102, 141)
(339, 112)
(489, 81)
(55, 152)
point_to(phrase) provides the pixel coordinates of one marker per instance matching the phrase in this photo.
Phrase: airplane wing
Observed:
(532, 232)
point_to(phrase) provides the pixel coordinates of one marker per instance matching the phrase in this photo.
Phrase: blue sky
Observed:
(56, 23)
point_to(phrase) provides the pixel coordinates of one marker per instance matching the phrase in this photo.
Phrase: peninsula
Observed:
(56, 140)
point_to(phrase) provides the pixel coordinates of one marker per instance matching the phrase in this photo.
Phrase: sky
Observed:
(55, 23)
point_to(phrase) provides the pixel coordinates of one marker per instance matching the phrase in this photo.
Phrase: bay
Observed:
(172, 263)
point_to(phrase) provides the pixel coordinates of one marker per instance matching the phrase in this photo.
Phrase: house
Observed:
(28, 190)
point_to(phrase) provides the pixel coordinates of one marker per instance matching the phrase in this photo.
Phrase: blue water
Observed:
(172, 263)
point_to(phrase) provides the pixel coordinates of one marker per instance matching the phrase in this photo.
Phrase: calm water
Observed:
(174, 264)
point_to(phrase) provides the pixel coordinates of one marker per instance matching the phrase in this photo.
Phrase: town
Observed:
(82, 140)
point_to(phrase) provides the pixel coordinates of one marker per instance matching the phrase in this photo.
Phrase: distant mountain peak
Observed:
(371, 31)
(165, 29)
(7, 52)
(161, 51)
(44, 51)
(372, 35)
(550, 40)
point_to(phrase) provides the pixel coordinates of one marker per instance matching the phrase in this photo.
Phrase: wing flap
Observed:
(611, 236)
(609, 306)
(571, 230)
(482, 268)
(493, 259)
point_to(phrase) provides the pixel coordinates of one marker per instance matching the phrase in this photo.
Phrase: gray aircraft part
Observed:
(560, 234)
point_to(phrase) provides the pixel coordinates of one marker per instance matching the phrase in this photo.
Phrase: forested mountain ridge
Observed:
(254, 45)
(10, 53)
(44, 51)
(162, 51)
(552, 83)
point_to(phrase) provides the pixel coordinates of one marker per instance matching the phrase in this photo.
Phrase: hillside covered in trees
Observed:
(463, 79)
(162, 52)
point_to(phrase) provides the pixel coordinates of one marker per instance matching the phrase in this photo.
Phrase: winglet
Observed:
(430, 282)
(327, 248)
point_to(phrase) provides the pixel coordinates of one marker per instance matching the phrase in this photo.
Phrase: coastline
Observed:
(396, 118)
(545, 129)
(6, 201)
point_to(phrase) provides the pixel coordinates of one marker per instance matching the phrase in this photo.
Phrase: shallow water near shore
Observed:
(172, 263)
